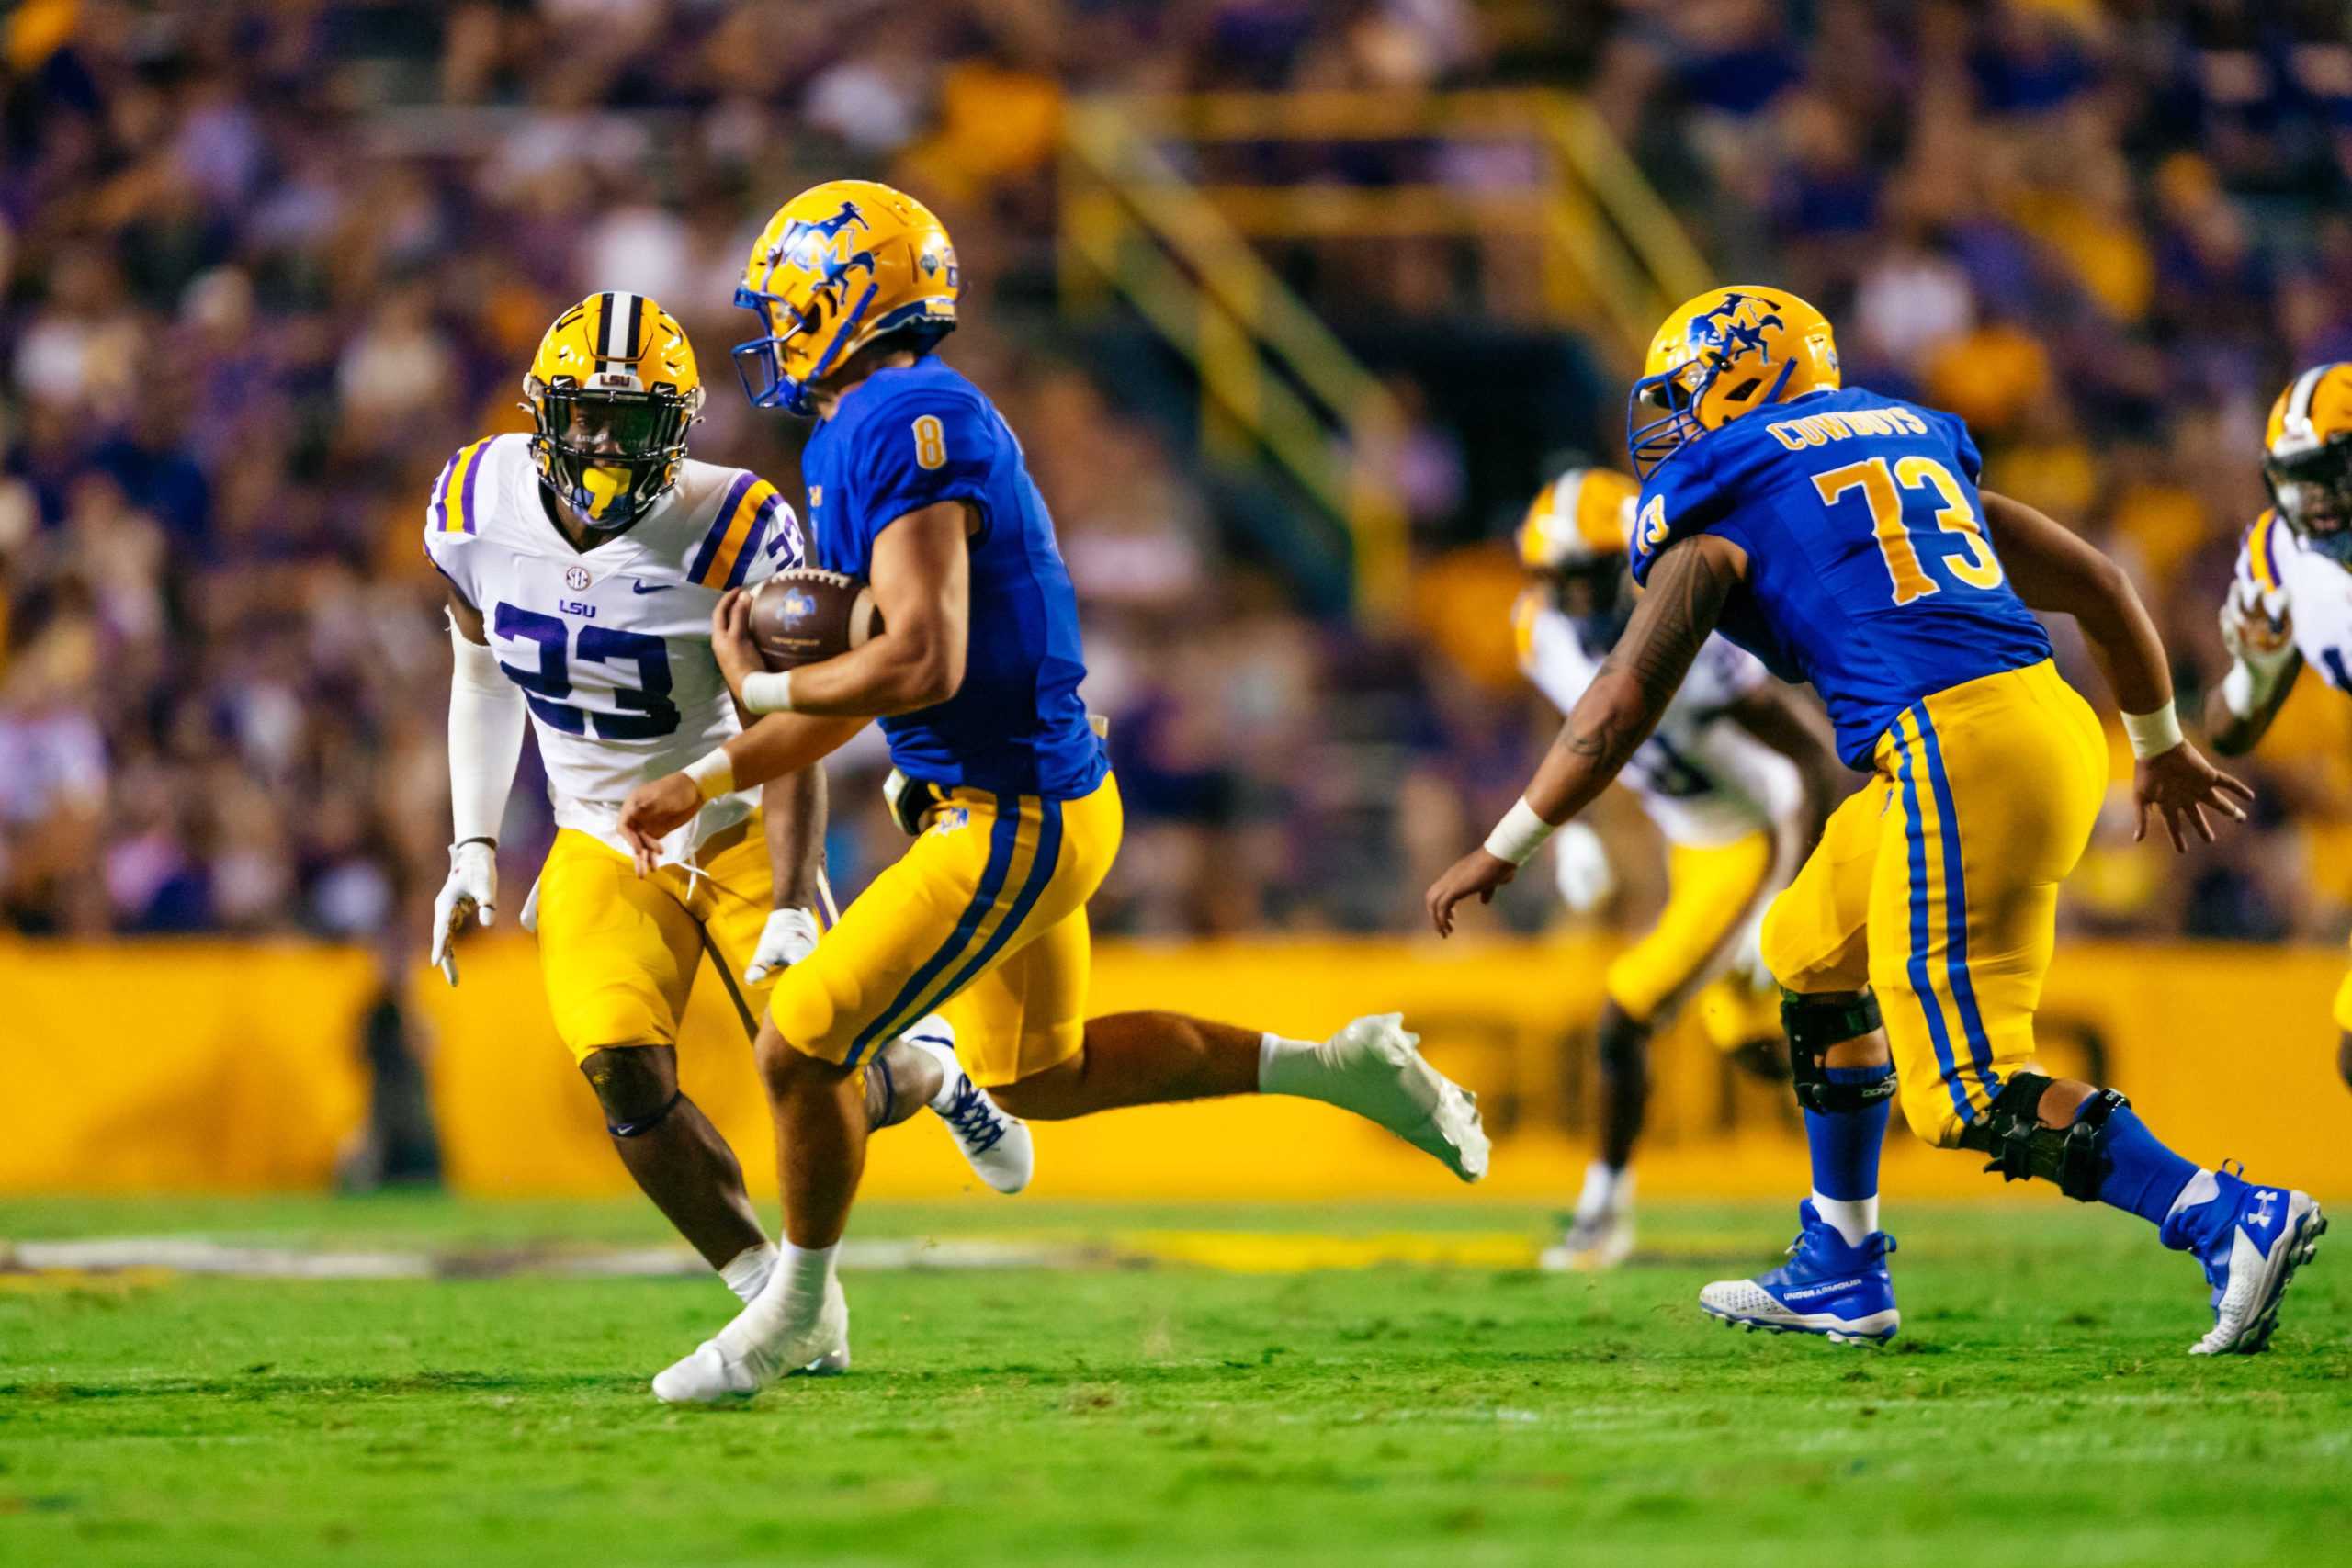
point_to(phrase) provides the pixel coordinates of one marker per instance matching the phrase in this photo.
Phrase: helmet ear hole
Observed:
(1745, 390)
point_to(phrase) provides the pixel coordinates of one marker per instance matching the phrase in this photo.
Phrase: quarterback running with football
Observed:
(916, 486)
(2291, 604)
(1737, 779)
(582, 564)
(1841, 537)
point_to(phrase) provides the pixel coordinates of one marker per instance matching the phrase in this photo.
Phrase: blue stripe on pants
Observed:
(1921, 987)
(1964, 985)
(886, 1024)
(1041, 872)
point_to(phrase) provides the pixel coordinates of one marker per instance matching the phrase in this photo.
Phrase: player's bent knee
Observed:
(785, 1065)
(636, 1085)
(1056, 1094)
(1817, 1022)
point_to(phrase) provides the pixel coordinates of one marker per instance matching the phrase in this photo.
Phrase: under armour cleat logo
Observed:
(2262, 1211)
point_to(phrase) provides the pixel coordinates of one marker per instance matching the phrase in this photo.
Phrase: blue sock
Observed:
(2142, 1176)
(1846, 1143)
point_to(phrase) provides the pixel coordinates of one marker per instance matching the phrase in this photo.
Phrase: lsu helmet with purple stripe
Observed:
(2307, 459)
(839, 266)
(611, 392)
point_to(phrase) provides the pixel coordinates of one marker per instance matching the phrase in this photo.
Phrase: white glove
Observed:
(1580, 863)
(2259, 630)
(789, 937)
(2258, 634)
(473, 888)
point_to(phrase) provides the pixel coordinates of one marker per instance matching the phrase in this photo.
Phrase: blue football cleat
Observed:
(1826, 1287)
(2251, 1240)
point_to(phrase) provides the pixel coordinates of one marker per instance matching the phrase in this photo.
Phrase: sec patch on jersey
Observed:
(807, 615)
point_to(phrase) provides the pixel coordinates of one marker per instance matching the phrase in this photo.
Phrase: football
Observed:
(807, 615)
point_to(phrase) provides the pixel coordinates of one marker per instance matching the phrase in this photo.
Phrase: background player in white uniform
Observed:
(2291, 604)
(582, 564)
(1736, 777)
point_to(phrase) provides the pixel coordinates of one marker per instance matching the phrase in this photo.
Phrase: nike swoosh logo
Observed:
(637, 587)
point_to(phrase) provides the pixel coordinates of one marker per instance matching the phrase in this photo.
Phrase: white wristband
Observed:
(766, 692)
(2152, 734)
(713, 773)
(1519, 835)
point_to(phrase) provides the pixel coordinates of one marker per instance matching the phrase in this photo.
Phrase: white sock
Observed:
(795, 1292)
(1853, 1218)
(1289, 1066)
(950, 1073)
(1607, 1188)
(748, 1270)
(2202, 1188)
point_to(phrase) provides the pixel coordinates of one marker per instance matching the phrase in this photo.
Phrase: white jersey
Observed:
(610, 645)
(1702, 778)
(2289, 575)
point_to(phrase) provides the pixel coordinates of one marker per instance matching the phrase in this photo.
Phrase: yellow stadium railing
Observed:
(1274, 380)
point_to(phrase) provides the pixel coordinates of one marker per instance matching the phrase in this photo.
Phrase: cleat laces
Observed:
(976, 1122)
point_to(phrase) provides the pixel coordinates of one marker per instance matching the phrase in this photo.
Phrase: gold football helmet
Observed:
(2307, 459)
(611, 391)
(1582, 519)
(838, 266)
(1729, 352)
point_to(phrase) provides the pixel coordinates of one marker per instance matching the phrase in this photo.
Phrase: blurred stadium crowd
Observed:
(267, 264)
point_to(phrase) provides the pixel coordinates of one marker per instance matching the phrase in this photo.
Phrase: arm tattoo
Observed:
(1687, 591)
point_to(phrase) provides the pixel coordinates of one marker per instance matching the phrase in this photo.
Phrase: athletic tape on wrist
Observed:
(2152, 734)
(713, 773)
(1519, 835)
(768, 693)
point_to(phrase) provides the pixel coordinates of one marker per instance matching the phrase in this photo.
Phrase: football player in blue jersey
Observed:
(1841, 537)
(917, 485)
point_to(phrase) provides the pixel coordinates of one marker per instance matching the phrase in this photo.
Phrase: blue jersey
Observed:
(902, 440)
(1869, 572)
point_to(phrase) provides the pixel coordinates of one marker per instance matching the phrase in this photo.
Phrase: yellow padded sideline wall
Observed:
(199, 1065)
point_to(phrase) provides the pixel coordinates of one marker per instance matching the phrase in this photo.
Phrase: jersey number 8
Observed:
(1973, 564)
(930, 442)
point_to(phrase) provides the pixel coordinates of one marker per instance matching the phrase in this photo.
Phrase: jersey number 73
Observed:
(1897, 495)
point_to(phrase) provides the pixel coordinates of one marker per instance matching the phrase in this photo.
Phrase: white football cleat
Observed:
(1593, 1242)
(1372, 1068)
(2258, 1237)
(993, 1141)
(735, 1365)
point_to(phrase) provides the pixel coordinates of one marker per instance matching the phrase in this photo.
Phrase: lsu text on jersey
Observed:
(1869, 576)
(611, 648)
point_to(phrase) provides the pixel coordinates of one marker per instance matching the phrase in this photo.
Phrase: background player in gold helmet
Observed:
(2290, 601)
(1737, 778)
(583, 562)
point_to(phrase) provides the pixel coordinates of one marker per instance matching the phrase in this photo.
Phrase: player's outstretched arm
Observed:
(486, 721)
(2053, 569)
(1685, 598)
(778, 745)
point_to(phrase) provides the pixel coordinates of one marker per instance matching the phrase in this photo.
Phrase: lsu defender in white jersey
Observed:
(583, 561)
(2291, 604)
(1725, 777)
(610, 645)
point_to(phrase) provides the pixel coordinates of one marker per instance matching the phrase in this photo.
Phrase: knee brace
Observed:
(1813, 1024)
(2074, 1157)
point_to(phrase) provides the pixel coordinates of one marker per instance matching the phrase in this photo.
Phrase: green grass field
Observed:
(2037, 1408)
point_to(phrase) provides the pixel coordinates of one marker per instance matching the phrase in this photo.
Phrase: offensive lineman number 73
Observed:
(1973, 564)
